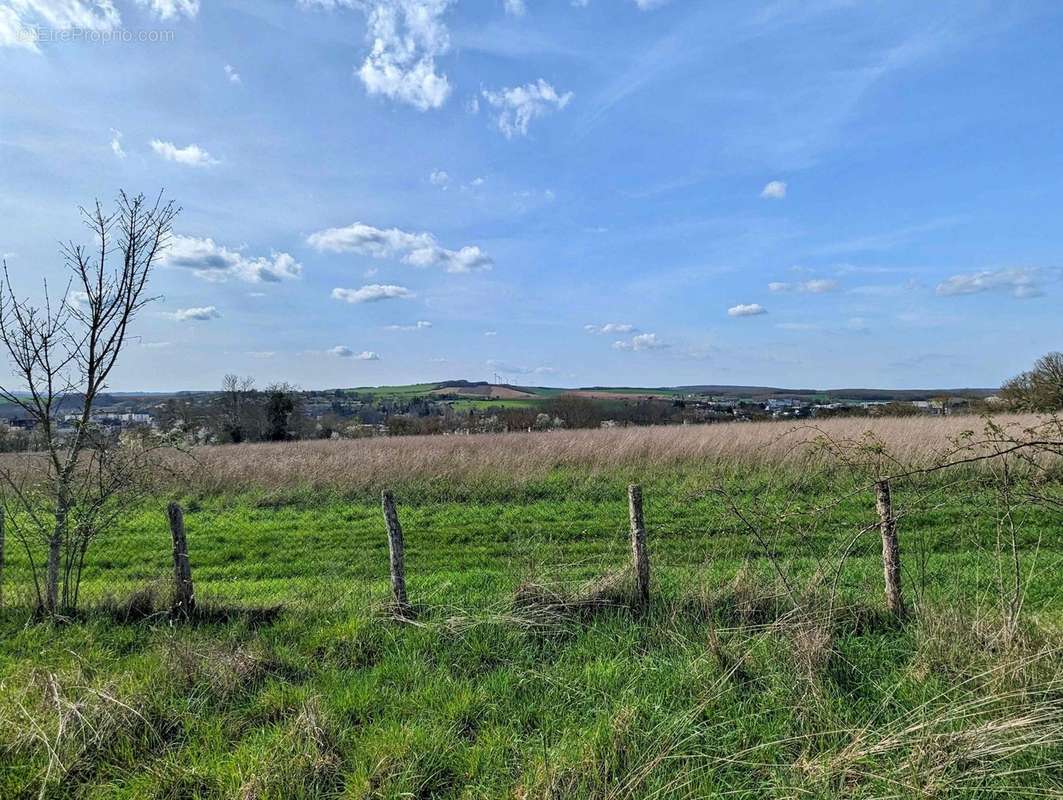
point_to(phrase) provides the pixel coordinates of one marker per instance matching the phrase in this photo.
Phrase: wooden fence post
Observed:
(640, 559)
(184, 604)
(397, 554)
(891, 549)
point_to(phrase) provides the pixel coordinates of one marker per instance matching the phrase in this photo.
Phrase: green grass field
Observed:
(524, 674)
(486, 405)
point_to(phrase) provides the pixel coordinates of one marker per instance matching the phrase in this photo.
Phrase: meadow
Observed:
(765, 667)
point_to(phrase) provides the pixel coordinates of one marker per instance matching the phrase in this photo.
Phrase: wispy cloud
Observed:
(814, 286)
(232, 74)
(373, 293)
(1020, 282)
(887, 240)
(116, 143)
(170, 9)
(420, 325)
(518, 369)
(886, 289)
(20, 19)
(610, 328)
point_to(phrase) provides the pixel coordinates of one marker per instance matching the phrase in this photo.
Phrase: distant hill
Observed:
(482, 389)
(864, 395)
(484, 392)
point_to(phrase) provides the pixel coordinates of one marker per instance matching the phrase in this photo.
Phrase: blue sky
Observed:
(563, 192)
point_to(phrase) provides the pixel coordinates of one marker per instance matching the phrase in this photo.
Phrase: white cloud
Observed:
(1020, 282)
(439, 178)
(20, 18)
(116, 143)
(77, 299)
(610, 328)
(214, 262)
(642, 342)
(490, 333)
(819, 286)
(746, 310)
(519, 105)
(342, 351)
(192, 155)
(405, 38)
(232, 74)
(477, 182)
(420, 325)
(775, 190)
(172, 9)
(198, 314)
(646, 5)
(815, 286)
(16, 31)
(515, 8)
(373, 293)
(416, 249)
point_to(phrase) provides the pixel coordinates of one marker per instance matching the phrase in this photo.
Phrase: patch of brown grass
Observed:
(545, 603)
(520, 458)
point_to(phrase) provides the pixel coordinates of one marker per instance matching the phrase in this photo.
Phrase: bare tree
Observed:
(236, 396)
(62, 353)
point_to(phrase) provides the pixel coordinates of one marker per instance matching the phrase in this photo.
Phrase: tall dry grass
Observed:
(520, 458)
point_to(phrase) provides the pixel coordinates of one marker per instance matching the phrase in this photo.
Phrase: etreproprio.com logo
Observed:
(43, 35)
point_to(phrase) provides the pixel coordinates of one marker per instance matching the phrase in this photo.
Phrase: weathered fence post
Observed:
(640, 559)
(184, 604)
(397, 554)
(891, 549)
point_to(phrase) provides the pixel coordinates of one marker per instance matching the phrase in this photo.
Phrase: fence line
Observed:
(287, 553)
(184, 605)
